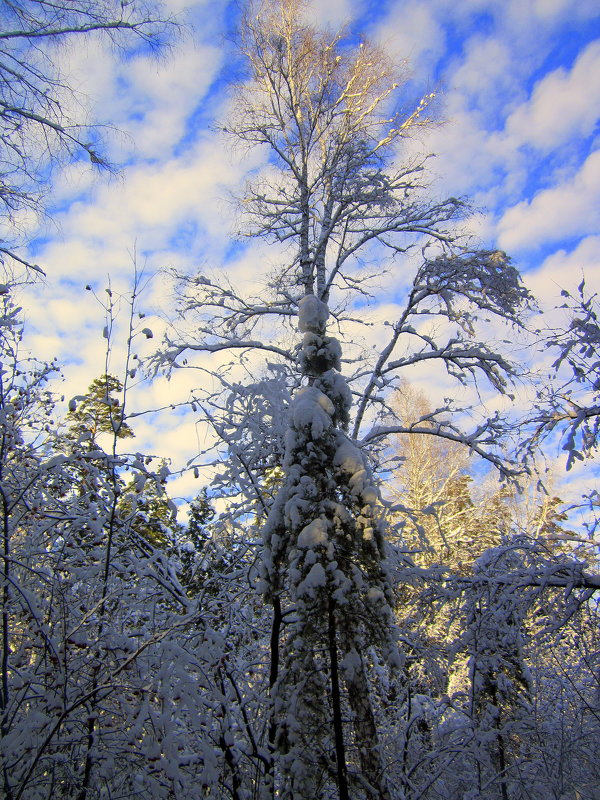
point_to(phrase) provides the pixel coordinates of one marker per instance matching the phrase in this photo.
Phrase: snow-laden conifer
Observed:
(323, 570)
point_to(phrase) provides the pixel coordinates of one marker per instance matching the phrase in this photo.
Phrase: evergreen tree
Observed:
(98, 411)
(322, 560)
(192, 543)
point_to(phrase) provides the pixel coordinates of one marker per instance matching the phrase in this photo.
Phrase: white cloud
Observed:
(569, 209)
(195, 6)
(145, 100)
(564, 270)
(486, 74)
(479, 154)
(170, 92)
(469, 160)
(538, 20)
(563, 104)
(162, 96)
(579, 9)
(149, 205)
(413, 33)
(333, 13)
(72, 182)
(525, 28)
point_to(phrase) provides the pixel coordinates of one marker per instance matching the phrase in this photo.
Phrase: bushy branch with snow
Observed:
(570, 402)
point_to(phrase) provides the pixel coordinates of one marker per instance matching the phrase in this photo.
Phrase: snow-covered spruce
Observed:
(323, 570)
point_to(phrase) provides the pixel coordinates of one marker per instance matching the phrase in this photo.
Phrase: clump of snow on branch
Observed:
(312, 411)
(312, 314)
(314, 534)
(319, 353)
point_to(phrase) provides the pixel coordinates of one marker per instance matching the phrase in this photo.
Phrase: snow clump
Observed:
(349, 460)
(312, 314)
(314, 534)
(312, 410)
(315, 579)
(319, 354)
(351, 664)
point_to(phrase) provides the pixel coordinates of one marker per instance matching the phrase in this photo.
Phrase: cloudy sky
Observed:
(519, 89)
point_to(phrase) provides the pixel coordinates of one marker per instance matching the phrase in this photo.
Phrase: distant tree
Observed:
(201, 512)
(98, 412)
(192, 541)
(148, 512)
(249, 421)
(450, 516)
(521, 633)
(498, 697)
(96, 419)
(465, 714)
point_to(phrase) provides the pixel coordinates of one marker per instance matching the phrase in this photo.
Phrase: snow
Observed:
(295, 510)
(368, 534)
(312, 410)
(348, 458)
(351, 664)
(375, 595)
(369, 494)
(350, 462)
(336, 387)
(320, 353)
(312, 314)
(315, 579)
(314, 534)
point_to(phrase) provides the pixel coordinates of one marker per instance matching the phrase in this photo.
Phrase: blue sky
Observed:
(518, 83)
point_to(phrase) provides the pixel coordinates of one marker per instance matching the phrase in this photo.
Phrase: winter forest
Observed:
(375, 589)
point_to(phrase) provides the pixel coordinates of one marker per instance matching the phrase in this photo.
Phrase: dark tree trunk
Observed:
(338, 731)
(365, 731)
